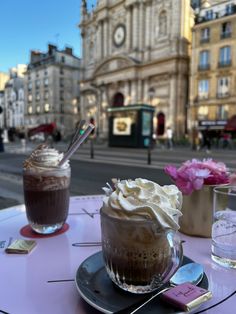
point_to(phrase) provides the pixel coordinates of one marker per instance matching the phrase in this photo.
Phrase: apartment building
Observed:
(52, 89)
(213, 67)
(4, 77)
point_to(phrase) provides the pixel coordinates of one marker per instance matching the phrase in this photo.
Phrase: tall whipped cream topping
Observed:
(44, 157)
(141, 198)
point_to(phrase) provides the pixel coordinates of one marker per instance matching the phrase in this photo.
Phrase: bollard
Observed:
(91, 149)
(149, 153)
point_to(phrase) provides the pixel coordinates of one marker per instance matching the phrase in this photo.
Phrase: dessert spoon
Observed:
(192, 273)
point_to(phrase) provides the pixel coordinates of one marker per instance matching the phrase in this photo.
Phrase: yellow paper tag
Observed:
(20, 247)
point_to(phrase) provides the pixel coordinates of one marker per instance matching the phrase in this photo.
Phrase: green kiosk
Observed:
(131, 126)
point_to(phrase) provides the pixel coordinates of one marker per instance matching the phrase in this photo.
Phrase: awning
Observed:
(231, 124)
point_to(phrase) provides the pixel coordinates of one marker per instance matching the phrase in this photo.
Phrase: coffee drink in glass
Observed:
(140, 243)
(46, 190)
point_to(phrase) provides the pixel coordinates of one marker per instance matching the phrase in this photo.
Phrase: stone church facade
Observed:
(136, 52)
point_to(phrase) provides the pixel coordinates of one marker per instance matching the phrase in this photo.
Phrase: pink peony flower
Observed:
(193, 174)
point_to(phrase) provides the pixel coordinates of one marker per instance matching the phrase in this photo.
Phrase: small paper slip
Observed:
(20, 247)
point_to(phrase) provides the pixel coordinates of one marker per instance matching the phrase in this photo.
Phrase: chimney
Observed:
(51, 49)
(69, 51)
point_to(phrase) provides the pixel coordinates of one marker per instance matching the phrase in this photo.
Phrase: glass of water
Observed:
(224, 226)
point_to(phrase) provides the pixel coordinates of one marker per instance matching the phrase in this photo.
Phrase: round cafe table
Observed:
(43, 280)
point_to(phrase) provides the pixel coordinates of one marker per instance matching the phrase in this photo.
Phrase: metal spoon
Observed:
(192, 272)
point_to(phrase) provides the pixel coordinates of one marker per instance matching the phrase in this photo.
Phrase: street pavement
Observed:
(90, 174)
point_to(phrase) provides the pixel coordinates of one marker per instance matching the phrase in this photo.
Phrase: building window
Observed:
(225, 56)
(46, 94)
(45, 72)
(63, 59)
(46, 107)
(223, 87)
(62, 108)
(203, 113)
(61, 95)
(37, 96)
(29, 97)
(222, 112)
(229, 9)
(205, 35)
(30, 110)
(30, 86)
(61, 82)
(38, 109)
(37, 83)
(204, 60)
(209, 15)
(203, 89)
(46, 82)
(61, 71)
(225, 30)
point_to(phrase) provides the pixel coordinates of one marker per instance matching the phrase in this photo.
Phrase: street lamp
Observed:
(100, 90)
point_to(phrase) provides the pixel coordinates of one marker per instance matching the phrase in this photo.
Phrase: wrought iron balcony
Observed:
(224, 63)
(204, 40)
(226, 35)
(204, 67)
(223, 95)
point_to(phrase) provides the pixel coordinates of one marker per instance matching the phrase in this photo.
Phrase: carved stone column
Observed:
(102, 39)
(139, 91)
(172, 101)
(126, 93)
(129, 28)
(148, 30)
(105, 37)
(99, 40)
(135, 26)
(141, 25)
(134, 92)
(83, 36)
(145, 91)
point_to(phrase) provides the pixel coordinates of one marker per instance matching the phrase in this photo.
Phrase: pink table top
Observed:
(24, 286)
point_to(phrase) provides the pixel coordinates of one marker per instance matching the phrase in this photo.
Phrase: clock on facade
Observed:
(119, 35)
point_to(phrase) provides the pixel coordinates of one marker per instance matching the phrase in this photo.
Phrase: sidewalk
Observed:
(7, 202)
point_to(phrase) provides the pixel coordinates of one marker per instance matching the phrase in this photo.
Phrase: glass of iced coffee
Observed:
(140, 242)
(46, 190)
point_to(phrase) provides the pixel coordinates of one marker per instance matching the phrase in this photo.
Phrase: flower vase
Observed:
(197, 212)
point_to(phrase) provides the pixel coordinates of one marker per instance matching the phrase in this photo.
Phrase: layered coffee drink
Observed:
(139, 223)
(46, 190)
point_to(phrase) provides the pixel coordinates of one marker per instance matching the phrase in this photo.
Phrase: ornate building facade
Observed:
(213, 66)
(136, 52)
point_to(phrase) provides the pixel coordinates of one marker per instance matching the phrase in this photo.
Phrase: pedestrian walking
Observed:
(1, 142)
(206, 142)
(169, 134)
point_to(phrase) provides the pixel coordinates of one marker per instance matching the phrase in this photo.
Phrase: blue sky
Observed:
(28, 24)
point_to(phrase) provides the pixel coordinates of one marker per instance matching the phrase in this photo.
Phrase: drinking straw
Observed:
(79, 140)
(77, 132)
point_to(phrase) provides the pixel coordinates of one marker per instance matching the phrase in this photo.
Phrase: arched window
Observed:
(163, 23)
(160, 123)
(118, 100)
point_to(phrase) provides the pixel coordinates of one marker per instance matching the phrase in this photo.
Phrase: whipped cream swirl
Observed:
(43, 158)
(144, 199)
